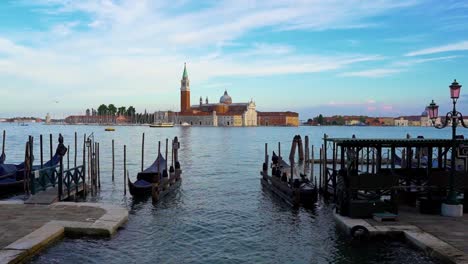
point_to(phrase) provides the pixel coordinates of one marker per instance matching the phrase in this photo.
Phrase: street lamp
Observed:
(456, 118)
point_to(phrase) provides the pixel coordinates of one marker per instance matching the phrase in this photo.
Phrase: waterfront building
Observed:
(278, 119)
(47, 119)
(224, 113)
(401, 121)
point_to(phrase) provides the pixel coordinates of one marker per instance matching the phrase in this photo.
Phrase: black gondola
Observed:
(12, 175)
(149, 177)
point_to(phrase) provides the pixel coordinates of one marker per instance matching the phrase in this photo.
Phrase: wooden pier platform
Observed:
(25, 229)
(50, 195)
(444, 238)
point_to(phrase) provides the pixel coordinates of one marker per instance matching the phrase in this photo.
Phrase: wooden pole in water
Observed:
(68, 157)
(3, 144)
(167, 150)
(320, 168)
(307, 157)
(159, 152)
(50, 141)
(99, 165)
(143, 151)
(313, 162)
(84, 165)
(300, 148)
(125, 169)
(279, 149)
(266, 154)
(76, 148)
(113, 161)
(172, 154)
(42, 153)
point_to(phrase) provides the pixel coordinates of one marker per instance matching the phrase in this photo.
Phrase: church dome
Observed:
(225, 99)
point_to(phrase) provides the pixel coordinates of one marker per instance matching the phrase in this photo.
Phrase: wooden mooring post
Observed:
(320, 168)
(50, 141)
(76, 148)
(125, 169)
(113, 161)
(313, 163)
(99, 166)
(41, 150)
(84, 165)
(143, 151)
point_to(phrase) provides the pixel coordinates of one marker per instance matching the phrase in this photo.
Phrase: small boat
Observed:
(173, 182)
(162, 124)
(294, 189)
(12, 175)
(109, 129)
(185, 124)
(147, 178)
(168, 185)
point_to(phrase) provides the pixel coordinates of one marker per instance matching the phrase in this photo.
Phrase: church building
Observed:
(224, 113)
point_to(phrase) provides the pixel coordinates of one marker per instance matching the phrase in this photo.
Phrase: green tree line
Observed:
(112, 110)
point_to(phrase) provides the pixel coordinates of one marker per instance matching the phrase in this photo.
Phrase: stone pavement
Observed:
(25, 228)
(453, 231)
(444, 238)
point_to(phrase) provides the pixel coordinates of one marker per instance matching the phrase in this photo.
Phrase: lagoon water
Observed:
(220, 214)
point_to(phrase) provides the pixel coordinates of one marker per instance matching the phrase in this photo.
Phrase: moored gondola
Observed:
(293, 189)
(12, 175)
(147, 178)
(170, 182)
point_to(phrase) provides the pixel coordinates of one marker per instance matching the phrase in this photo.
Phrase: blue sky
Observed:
(377, 57)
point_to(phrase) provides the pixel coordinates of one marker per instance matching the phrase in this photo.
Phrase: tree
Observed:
(112, 109)
(319, 119)
(122, 110)
(362, 119)
(102, 110)
(131, 111)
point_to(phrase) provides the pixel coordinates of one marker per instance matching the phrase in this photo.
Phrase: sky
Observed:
(375, 58)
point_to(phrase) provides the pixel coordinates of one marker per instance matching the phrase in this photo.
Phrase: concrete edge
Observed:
(436, 247)
(27, 246)
(422, 240)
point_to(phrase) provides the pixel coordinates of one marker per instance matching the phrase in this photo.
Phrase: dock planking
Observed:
(50, 196)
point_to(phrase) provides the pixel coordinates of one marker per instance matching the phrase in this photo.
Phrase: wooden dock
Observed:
(50, 195)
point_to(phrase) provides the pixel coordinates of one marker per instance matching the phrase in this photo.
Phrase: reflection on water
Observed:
(220, 214)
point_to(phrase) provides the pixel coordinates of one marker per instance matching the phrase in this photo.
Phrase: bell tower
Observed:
(185, 91)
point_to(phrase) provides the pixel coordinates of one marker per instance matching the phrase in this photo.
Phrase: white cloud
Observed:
(122, 48)
(445, 48)
(407, 63)
(373, 73)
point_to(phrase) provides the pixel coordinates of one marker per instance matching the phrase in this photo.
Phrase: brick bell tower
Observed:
(184, 91)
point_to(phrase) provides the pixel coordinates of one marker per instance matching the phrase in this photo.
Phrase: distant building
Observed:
(401, 121)
(47, 119)
(84, 119)
(278, 119)
(224, 113)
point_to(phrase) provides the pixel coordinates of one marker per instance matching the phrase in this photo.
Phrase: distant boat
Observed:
(109, 129)
(162, 124)
(185, 124)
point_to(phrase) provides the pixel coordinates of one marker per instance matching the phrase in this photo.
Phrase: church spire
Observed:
(185, 83)
(185, 75)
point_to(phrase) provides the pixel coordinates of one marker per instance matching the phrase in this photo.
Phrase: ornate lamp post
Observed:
(456, 118)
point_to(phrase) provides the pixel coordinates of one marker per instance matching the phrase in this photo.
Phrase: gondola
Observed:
(147, 178)
(293, 190)
(12, 175)
(173, 182)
